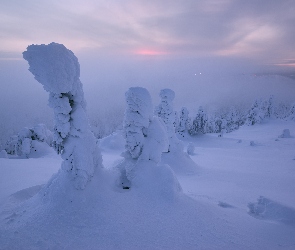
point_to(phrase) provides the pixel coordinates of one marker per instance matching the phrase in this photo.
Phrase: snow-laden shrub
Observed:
(23, 143)
(58, 70)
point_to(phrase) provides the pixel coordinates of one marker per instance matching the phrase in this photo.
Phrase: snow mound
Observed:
(113, 142)
(3, 154)
(267, 209)
(180, 163)
(285, 134)
(155, 181)
(103, 216)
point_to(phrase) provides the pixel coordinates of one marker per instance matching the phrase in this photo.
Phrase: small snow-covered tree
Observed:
(291, 113)
(281, 110)
(58, 70)
(184, 122)
(23, 143)
(199, 123)
(268, 107)
(232, 120)
(255, 115)
(165, 111)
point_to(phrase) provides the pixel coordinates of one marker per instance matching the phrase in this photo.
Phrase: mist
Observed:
(210, 82)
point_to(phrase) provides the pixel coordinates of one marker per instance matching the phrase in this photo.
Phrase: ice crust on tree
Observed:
(58, 70)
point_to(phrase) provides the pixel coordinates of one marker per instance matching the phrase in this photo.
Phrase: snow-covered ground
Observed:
(240, 196)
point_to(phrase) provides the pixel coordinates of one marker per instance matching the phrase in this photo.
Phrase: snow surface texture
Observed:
(221, 212)
(58, 70)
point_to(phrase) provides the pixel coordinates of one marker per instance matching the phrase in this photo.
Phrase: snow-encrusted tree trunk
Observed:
(58, 70)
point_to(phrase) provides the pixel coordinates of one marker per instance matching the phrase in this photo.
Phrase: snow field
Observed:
(239, 197)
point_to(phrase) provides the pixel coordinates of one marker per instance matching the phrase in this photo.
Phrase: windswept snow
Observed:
(242, 197)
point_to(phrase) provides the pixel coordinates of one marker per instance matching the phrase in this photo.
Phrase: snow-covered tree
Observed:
(184, 122)
(199, 123)
(255, 115)
(24, 142)
(58, 70)
(145, 134)
(137, 119)
(281, 110)
(232, 119)
(291, 113)
(268, 107)
(165, 111)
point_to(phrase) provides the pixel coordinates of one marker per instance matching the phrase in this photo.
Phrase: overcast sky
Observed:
(258, 30)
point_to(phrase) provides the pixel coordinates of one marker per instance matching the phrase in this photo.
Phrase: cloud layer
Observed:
(257, 29)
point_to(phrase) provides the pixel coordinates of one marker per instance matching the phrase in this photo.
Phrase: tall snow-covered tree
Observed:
(141, 128)
(58, 70)
(145, 134)
(137, 118)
